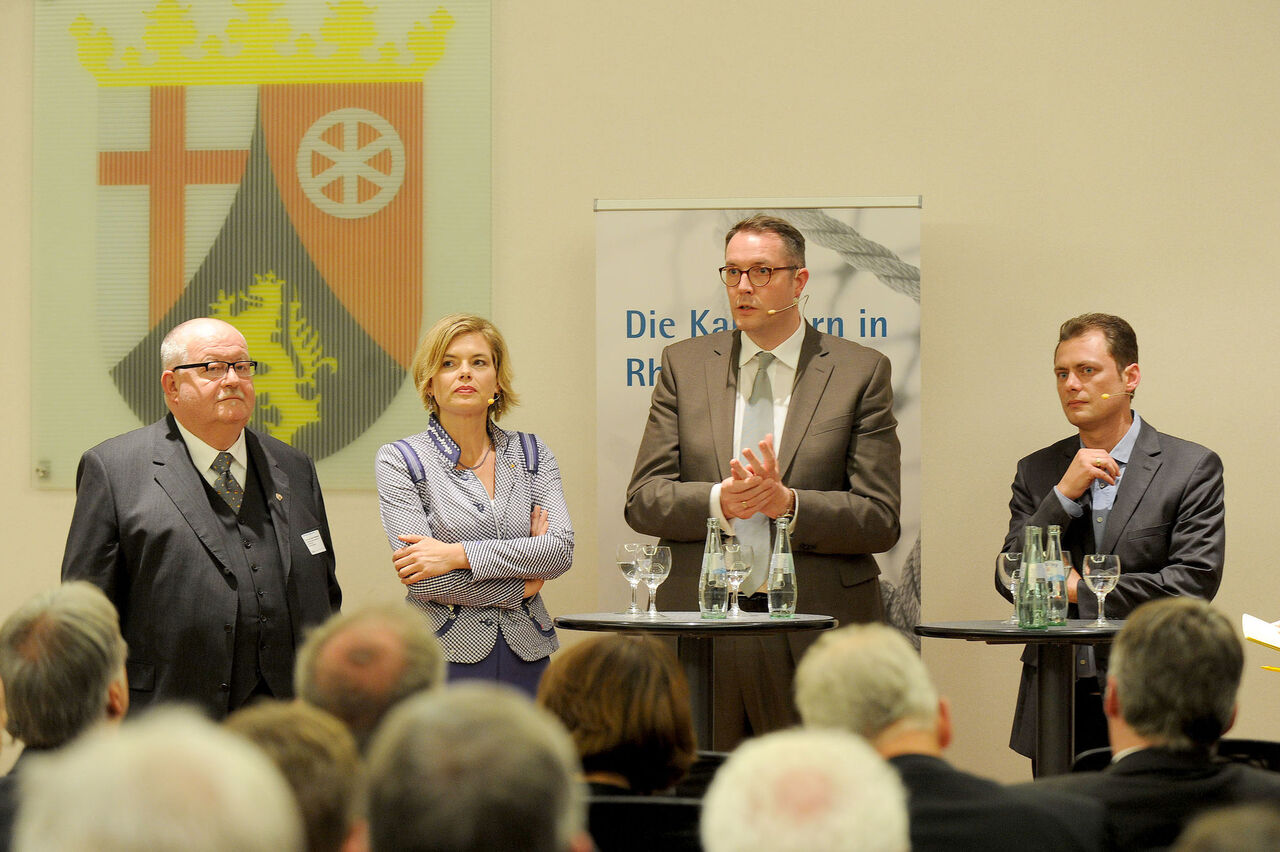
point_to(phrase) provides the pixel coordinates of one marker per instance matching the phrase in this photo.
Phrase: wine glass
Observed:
(1100, 572)
(737, 565)
(629, 565)
(655, 566)
(1007, 567)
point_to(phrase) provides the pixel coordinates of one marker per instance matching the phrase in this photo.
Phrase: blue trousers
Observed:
(503, 666)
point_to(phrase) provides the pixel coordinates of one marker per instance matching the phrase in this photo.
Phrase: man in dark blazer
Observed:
(62, 662)
(1119, 486)
(869, 680)
(835, 470)
(210, 538)
(1171, 694)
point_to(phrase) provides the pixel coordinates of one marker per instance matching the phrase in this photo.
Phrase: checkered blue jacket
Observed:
(470, 608)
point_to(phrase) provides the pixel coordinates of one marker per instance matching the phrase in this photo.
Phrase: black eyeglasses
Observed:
(757, 275)
(218, 369)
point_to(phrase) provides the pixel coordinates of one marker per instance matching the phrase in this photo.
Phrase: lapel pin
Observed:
(279, 497)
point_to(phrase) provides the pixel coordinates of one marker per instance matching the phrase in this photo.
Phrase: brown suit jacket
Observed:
(839, 452)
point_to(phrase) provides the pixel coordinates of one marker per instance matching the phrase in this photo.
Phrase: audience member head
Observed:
(360, 663)
(625, 702)
(170, 782)
(868, 679)
(1172, 680)
(805, 789)
(317, 756)
(472, 767)
(1240, 828)
(62, 663)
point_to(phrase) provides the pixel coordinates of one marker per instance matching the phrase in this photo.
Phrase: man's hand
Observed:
(1087, 466)
(756, 485)
(742, 494)
(1073, 583)
(532, 587)
(425, 557)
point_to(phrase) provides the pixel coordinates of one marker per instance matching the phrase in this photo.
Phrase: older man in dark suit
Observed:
(827, 406)
(869, 680)
(210, 538)
(1118, 486)
(1171, 694)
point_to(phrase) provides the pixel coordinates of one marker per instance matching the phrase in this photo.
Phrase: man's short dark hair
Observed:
(1176, 665)
(792, 239)
(59, 654)
(1122, 340)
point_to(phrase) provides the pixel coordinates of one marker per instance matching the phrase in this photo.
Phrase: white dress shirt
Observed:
(203, 456)
(782, 377)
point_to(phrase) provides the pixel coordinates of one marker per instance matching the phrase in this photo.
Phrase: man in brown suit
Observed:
(830, 461)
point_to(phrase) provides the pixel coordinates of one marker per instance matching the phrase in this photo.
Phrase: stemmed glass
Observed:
(655, 566)
(1101, 571)
(737, 565)
(629, 564)
(1007, 566)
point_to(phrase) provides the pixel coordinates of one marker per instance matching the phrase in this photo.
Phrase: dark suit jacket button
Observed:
(227, 627)
(225, 687)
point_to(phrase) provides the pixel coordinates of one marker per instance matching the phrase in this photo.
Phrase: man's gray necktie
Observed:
(226, 486)
(757, 421)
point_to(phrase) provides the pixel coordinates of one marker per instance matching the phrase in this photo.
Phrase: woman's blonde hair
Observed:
(430, 355)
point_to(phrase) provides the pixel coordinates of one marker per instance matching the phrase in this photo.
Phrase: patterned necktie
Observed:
(226, 486)
(757, 421)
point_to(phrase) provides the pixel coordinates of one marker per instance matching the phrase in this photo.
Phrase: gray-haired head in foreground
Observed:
(803, 790)
(1176, 665)
(1240, 828)
(169, 782)
(864, 678)
(60, 652)
(360, 663)
(473, 767)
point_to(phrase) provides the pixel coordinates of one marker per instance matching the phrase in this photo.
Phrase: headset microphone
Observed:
(1122, 393)
(787, 308)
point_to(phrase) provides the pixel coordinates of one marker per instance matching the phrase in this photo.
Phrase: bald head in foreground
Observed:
(802, 790)
(358, 665)
(209, 537)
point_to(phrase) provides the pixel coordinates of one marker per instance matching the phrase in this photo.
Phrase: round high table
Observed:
(694, 637)
(1056, 685)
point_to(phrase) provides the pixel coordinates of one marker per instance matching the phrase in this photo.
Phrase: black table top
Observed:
(1077, 631)
(693, 624)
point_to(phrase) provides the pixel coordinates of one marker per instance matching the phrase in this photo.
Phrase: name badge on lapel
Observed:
(313, 541)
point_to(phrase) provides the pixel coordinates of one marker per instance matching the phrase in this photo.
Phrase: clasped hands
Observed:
(424, 557)
(756, 486)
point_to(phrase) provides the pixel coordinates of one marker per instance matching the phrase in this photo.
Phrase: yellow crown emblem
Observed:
(261, 48)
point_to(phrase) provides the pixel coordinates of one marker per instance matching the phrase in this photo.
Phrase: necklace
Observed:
(487, 448)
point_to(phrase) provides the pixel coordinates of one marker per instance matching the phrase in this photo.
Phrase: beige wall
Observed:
(1072, 157)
